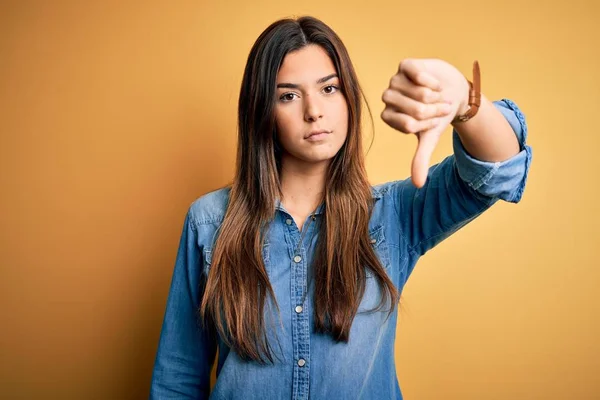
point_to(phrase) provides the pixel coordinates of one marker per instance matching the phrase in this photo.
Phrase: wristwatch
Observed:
(474, 96)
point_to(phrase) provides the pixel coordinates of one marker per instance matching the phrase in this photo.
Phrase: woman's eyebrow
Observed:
(295, 86)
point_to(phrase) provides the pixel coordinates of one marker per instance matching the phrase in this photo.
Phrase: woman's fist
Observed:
(423, 98)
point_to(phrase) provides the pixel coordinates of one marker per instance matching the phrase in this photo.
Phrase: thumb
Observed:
(420, 164)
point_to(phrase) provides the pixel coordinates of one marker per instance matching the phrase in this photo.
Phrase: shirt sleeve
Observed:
(460, 188)
(504, 180)
(187, 347)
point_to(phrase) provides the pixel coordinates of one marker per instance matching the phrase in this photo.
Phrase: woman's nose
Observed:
(313, 110)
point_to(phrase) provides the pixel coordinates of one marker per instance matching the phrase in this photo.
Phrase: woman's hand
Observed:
(423, 98)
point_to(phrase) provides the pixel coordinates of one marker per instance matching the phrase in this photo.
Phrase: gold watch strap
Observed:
(474, 96)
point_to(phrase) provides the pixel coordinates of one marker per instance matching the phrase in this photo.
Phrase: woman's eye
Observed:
(330, 89)
(287, 97)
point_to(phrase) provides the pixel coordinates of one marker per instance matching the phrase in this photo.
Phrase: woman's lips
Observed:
(318, 135)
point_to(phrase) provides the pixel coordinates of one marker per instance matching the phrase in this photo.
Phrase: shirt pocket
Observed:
(377, 237)
(373, 292)
(207, 256)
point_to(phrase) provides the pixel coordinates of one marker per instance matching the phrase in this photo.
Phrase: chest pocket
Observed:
(373, 293)
(207, 253)
(380, 246)
(207, 259)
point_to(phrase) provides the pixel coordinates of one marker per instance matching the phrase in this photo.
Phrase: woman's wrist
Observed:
(464, 104)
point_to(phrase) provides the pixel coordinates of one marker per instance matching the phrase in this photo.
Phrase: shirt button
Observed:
(297, 259)
(288, 221)
(373, 241)
(298, 309)
(301, 362)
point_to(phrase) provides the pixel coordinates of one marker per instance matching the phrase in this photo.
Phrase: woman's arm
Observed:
(488, 135)
(461, 187)
(186, 349)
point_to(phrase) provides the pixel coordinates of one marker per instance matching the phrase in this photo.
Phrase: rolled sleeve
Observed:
(505, 180)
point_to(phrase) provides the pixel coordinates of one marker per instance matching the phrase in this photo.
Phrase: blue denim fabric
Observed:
(406, 222)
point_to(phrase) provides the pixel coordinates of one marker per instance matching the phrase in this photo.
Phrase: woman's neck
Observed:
(302, 186)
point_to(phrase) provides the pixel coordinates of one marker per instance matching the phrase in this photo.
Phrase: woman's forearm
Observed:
(488, 136)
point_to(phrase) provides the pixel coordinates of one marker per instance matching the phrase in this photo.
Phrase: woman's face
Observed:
(309, 102)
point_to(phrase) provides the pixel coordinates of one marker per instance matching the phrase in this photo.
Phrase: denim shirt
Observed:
(405, 223)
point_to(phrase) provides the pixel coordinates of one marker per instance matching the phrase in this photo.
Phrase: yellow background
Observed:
(114, 117)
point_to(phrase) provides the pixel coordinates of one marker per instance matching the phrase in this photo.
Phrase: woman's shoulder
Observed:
(383, 189)
(210, 207)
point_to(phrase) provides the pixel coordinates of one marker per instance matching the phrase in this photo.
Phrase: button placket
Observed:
(300, 319)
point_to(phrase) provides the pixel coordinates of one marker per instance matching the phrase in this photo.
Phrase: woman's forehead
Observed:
(305, 66)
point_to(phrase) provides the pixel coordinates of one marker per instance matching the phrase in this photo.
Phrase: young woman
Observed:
(294, 271)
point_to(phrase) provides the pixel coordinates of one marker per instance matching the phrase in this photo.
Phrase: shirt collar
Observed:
(375, 192)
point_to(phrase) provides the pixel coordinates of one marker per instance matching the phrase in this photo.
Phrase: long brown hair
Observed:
(238, 284)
